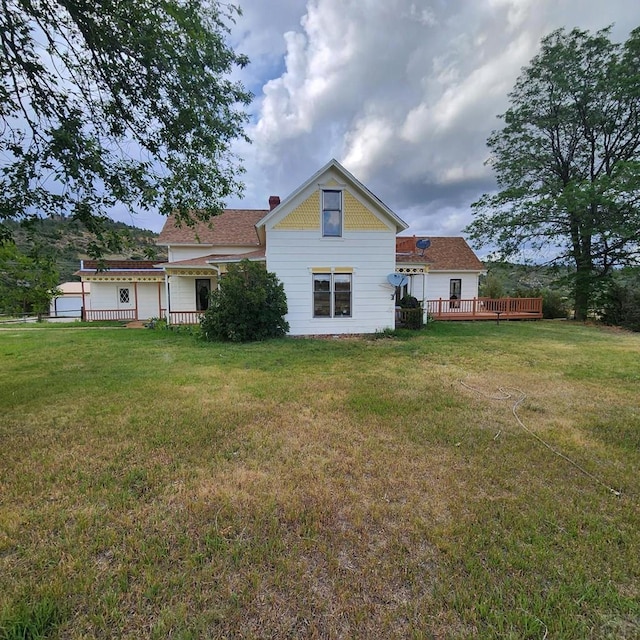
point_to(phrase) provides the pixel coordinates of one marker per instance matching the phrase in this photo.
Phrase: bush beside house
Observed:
(249, 305)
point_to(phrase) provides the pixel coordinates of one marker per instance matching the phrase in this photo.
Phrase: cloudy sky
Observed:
(403, 93)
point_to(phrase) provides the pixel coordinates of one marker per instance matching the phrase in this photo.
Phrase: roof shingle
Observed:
(444, 254)
(231, 227)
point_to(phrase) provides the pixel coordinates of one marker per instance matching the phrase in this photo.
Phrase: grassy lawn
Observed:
(154, 486)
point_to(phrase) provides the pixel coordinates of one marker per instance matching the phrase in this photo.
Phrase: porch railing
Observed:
(109, 314)
(185, 317)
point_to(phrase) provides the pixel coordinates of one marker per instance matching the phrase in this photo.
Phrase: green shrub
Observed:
(554, 304)
(409, 302)
(413, 318)
(250, 304)
(491, 287)
(621, 304)
(156, 323)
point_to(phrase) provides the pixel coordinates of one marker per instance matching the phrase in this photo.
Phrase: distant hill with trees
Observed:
(552, 283)
(66, 241)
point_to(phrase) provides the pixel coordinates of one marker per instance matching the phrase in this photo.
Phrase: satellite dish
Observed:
(397, 279)
(423, 244)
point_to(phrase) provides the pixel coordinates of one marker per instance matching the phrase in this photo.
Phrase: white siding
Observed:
(182, 292)
(438, 284)
(292, 255)
(106, 295)
(149, 303)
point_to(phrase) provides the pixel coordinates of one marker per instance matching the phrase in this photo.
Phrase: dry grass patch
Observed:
(159, 487)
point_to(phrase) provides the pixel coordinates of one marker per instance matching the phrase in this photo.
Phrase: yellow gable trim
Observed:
(108, 278)
(304, 216)
(358, 218)
(331, 269)
(208, 273)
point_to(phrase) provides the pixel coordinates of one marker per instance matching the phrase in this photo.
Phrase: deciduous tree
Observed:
(27, 282)
(567, 160)
(111, 101)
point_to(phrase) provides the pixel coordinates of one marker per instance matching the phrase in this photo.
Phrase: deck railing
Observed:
(485, 308)
(109, 314)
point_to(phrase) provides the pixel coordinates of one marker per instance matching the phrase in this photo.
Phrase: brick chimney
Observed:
(274, 201)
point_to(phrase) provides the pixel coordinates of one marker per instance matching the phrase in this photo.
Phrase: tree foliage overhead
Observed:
(567, 160)
(250, 304)
(109, 101)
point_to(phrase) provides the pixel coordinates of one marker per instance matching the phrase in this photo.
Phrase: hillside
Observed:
(67, 241)
(513, 279)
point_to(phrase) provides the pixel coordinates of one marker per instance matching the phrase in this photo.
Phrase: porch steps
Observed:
(136, 324)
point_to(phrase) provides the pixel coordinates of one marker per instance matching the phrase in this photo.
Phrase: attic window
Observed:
(332, 214)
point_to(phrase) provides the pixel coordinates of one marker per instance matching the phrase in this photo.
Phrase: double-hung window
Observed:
(331, 295)
(332, 214)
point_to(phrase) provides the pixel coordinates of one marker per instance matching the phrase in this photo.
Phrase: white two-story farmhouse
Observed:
(332, 243)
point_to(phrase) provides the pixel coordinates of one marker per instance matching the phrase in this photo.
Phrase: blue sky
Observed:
(404, 94)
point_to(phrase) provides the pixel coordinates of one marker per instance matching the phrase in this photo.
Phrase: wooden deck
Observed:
(485, 309)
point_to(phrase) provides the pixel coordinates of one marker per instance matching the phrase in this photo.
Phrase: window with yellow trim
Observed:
(331, 295)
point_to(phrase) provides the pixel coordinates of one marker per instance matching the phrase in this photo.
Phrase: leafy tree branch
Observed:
(107, 102)
(567, 160)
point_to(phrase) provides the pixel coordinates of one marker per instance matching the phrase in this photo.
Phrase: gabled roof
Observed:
(231, 227)
(401, 225)
(444, 254)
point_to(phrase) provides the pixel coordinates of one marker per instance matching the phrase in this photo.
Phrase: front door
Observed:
(203, 292)
(455, 292)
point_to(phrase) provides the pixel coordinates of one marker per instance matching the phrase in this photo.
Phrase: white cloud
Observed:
(404, 93)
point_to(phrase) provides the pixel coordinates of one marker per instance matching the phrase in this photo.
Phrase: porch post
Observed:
(83, 311)
(135, 296)
(166, 285)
